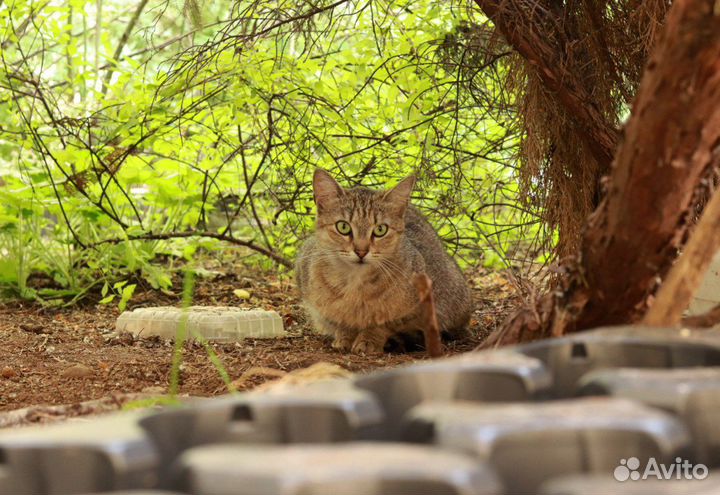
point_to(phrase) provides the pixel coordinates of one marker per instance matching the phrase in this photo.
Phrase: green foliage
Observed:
(205, 125)
(122, 288)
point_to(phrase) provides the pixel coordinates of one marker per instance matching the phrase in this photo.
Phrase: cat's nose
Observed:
(361, 253)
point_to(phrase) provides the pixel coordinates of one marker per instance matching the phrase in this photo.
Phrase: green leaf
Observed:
(127, 293)
(107, 299)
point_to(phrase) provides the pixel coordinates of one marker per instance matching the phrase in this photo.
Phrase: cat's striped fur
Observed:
(359, 287)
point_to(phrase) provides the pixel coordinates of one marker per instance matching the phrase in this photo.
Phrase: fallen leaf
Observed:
(8, 372)
(77, 371)
(242, 294)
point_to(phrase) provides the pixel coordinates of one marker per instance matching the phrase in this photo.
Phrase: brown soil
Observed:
(66, 356)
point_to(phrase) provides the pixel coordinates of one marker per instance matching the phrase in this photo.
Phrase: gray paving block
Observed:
(569, 358)
(339, 469)
(479, 376)
(106, 453)
(711, 336)
(326, 411)
(137, 492)
(529, 443)
(606, 485)
(692, 393)
(217, 323)
(665, 388)
(702, 414)
(8, 486)
(668, 389)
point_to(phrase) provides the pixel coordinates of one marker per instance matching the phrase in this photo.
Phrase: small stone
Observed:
(36, 329)
(242, 294)
(8, 372)
(77, 371)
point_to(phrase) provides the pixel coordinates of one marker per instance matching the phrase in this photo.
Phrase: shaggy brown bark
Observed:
(670, 142)
(576, 67)
(528, 30)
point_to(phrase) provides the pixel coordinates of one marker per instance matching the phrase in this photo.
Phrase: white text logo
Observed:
(629, 469)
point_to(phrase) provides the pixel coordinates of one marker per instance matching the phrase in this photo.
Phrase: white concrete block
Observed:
(217, 323)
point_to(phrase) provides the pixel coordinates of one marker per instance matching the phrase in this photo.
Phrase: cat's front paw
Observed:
(343, 343)
(368, 344)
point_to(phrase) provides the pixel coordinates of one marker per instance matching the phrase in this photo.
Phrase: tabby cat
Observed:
(355, 273)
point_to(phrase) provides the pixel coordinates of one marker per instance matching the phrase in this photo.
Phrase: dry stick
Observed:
(705, 320)
(686, 274)
(54, 413)
(431, 329)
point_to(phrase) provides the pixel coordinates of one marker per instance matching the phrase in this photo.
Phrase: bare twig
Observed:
(705, 320)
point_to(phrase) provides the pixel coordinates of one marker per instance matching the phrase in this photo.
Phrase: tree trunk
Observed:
(670, 142)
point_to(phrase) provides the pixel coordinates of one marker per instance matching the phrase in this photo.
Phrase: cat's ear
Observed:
(325, 189)
(399, 196)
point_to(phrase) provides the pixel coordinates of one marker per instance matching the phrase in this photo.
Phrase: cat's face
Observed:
(359, 226)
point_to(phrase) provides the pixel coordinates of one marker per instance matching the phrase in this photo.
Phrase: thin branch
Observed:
(123, 41)
(198, 233)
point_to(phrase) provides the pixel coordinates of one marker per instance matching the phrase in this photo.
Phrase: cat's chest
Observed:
(362, 300)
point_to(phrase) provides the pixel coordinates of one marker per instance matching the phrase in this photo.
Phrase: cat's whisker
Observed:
(394, 281)
(394, 274)
(397, 270)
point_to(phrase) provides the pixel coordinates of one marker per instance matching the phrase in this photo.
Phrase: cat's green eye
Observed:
(380, 230)
(343, 227)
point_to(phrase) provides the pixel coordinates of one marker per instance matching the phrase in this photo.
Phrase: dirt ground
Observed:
(66, 356)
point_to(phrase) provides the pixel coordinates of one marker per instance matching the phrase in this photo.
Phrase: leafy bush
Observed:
(133, 131)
